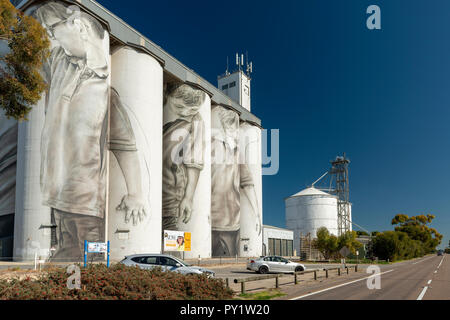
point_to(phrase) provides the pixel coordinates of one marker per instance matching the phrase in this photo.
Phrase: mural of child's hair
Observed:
(191, 96)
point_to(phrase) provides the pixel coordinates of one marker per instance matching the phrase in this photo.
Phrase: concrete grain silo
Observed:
(308, 211)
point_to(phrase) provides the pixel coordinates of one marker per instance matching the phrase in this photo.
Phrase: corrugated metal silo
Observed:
(309, 210)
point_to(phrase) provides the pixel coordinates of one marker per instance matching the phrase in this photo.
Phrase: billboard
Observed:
(177, 241)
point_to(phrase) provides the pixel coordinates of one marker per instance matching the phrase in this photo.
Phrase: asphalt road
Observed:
(423, 279)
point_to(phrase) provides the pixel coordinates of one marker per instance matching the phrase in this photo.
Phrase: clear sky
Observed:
(331, 86)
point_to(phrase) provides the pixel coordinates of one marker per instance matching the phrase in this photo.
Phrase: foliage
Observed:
(361, 233)
(116, 283)
(447, 250)
(330, 245)
(21, 83)
(417, 229)
(263, 295)
(412, 238)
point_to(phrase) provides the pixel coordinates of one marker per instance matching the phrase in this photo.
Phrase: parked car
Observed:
(165, 262)
(440, 253)
(274, 264)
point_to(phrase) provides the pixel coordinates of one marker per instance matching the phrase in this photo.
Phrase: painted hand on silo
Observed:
(134, 209)
(185, 213)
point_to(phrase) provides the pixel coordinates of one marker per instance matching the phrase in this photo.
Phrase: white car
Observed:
(274, 264)
(166, 263)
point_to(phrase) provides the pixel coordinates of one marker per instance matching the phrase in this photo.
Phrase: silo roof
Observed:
(311, 192)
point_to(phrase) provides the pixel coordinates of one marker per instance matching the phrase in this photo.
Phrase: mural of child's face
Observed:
(71, 35)
(230, 123)
(186, 101)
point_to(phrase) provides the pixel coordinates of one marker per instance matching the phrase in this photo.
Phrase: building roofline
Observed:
(126, 34)
(277, 228)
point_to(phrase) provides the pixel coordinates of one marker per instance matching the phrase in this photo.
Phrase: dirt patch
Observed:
(19, 274)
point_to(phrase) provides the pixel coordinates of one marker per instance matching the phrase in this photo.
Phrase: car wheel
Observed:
(263, 270)
(299, 269)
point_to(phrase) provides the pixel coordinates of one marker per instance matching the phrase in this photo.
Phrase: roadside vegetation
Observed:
(116, 283)
(330, 245)
(412, 238)
(262, 295)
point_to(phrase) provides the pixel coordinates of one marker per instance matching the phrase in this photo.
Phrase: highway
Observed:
(421, 279)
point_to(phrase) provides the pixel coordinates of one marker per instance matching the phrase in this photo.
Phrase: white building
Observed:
(278, 242)
(97, 142)
(237, 86)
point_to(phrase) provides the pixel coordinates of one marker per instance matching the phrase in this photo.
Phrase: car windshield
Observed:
(183, 263)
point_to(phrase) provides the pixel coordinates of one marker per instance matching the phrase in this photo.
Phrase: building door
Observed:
(6, 237)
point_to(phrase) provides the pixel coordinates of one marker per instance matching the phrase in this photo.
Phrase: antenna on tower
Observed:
(228, 67)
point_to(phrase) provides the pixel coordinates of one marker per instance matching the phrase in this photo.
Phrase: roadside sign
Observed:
(345, 251)
(177, 241)
(96, 247)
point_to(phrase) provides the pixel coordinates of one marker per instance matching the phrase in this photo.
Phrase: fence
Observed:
(296, 274)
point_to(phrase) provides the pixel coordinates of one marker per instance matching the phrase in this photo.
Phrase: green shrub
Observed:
(116, 283)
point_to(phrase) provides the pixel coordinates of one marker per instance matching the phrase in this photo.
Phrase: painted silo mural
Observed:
(229, 178)
(118, 149)
(186, 169)
(73, 137)
(251, 196)
(135, 138)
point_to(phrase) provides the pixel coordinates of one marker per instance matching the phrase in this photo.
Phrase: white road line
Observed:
(338, 286)
(442, 260)
(422, 260)
(422, 294)
(429, 282)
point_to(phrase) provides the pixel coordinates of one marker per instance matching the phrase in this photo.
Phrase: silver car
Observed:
(165, 262)
(274, 264)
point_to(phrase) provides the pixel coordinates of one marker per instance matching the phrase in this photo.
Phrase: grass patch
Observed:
(263, 295)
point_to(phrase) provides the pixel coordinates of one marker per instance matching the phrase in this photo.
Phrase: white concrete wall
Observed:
(138, 79)
(200, 224)
(30, 213)
(250, 154)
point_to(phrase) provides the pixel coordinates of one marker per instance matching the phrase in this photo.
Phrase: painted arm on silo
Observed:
(122, 144)
(248, 187)
(193, 159)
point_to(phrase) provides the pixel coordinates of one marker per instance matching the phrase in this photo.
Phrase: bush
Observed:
(116, 283)
(395, 245)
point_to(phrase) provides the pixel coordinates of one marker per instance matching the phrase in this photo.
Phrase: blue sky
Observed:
(330, 85)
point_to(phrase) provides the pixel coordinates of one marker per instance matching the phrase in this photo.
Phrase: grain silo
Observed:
(309, 210)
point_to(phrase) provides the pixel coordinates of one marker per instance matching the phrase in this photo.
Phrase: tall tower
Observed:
(236, 85)
(339, 172)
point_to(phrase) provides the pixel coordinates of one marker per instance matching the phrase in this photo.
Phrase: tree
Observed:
(348, 240)
(21, 84)
(417, 229)
(327, 243)
(330, 245)
(362, 233)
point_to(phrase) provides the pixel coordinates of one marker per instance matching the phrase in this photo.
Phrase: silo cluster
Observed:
(120, 148)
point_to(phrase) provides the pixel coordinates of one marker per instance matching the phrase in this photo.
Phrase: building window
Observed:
(225, 87)
(233, 84)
